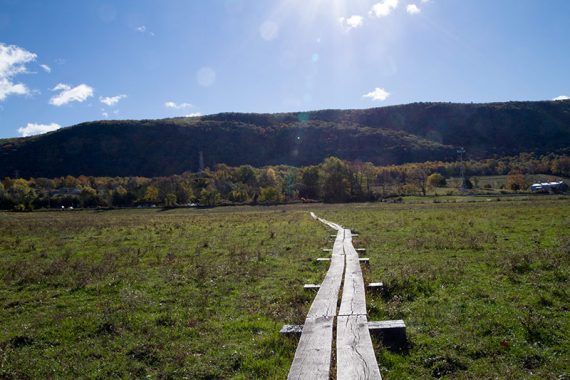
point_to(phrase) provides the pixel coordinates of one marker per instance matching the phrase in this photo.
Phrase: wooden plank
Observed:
(321, 259)
(291, 330)
(313, 356)
(383, 325)
(354, 351)
(392, 333)
(353, 293)
(311, 286)
(326, 300)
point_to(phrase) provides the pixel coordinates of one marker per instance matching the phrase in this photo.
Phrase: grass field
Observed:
(201, 294)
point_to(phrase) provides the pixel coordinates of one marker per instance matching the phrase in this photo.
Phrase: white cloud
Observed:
(352, 22)
(195, 114)
(67, 94)
(111, 100)
(141, 29)
(105, 114)
(61, 86)
(383, 8)
(424, 1)
(37, 129)
(12, 63)
(177, 106)
(46, 68)
(562, 97)
(413, 9)
(378, 94)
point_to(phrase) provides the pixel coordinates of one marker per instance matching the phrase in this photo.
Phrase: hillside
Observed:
(388, 135)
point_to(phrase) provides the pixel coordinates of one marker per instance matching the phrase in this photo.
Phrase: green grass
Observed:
(202, 294)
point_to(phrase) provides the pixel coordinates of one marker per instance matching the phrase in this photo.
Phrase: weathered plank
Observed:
(384, 325)
(326, 300)
(353, 293)
(313, 356)
(311, 286)
(354, 352)
(291, 330)
(392, 333)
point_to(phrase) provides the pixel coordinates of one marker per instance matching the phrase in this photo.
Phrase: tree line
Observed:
(334, 180)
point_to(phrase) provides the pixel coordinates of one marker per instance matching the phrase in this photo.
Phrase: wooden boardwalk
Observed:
(355, 358)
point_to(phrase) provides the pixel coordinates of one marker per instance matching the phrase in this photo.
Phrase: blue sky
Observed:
(66, 61)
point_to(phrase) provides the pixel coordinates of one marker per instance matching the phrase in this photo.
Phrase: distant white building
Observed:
(549, 187)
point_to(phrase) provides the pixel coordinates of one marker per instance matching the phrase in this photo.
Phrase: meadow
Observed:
(201, 294)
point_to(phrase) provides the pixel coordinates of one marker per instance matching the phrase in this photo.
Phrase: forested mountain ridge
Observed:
(388, 135)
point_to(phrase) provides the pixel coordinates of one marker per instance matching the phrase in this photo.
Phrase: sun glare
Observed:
(311, 11)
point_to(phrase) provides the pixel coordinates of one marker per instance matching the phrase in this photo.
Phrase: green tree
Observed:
(436, 180)
(268, 178)
(170, 200)
(209, 197)
(151, 194)
(270, 195)
(184, 192)
(309, 187)
(336, 180)
(246, 174)
(22, 194)
(88, 197)
(417, 176)
(239, 193)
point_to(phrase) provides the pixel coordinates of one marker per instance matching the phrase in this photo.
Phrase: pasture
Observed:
(202, 294)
